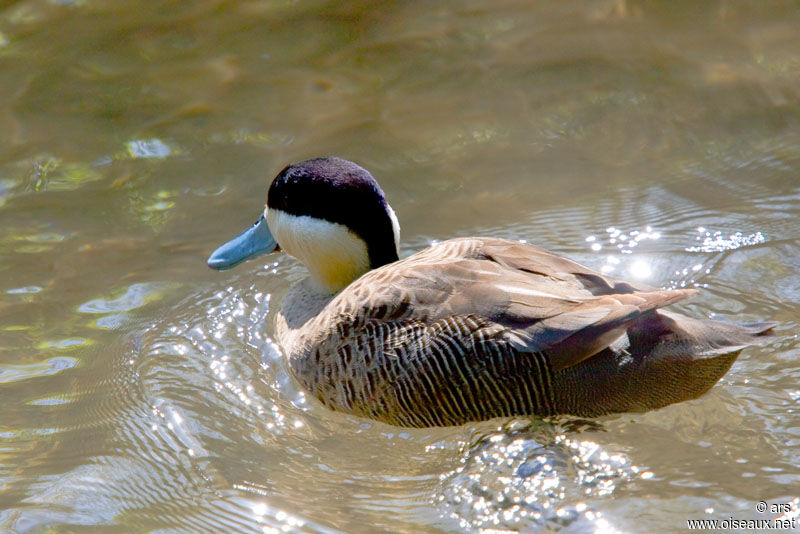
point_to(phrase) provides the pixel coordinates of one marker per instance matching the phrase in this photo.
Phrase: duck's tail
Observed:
(678, 334)
(667, 358)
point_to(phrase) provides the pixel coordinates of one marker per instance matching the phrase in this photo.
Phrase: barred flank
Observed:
(408, 373)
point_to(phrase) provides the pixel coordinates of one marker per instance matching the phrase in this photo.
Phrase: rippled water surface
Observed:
(142, 392)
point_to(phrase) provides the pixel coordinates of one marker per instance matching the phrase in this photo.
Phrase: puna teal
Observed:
(467, 329)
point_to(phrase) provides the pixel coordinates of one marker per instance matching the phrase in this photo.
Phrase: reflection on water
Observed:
(148, 148)
(11, 373)
(521, 477)
(714, 242)
(142, 392)
(622, 245)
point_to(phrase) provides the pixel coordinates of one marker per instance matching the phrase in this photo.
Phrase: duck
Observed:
(468, 329)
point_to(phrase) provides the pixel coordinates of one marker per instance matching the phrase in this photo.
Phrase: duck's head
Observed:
(330, 214)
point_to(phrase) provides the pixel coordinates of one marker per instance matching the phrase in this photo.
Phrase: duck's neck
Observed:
(297, 319)
(334, 266)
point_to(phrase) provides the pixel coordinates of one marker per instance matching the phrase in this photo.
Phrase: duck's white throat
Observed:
(333, 254)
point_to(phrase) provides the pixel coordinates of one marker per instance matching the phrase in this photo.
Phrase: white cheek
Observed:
(333, 255)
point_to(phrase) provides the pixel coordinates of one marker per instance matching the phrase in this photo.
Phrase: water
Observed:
(143, 392)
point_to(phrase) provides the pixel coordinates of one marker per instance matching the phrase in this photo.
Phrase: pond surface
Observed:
(142, 392)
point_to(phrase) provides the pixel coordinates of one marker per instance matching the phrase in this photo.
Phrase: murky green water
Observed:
(141, 391)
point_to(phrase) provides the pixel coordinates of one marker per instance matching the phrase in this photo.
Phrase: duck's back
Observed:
(475, 328)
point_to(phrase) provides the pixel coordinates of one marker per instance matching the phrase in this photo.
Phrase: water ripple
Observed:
(533, 477)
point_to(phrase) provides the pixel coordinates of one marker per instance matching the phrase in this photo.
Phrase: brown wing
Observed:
(545, 303)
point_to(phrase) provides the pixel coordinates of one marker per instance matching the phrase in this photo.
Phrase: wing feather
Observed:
(544, 303)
